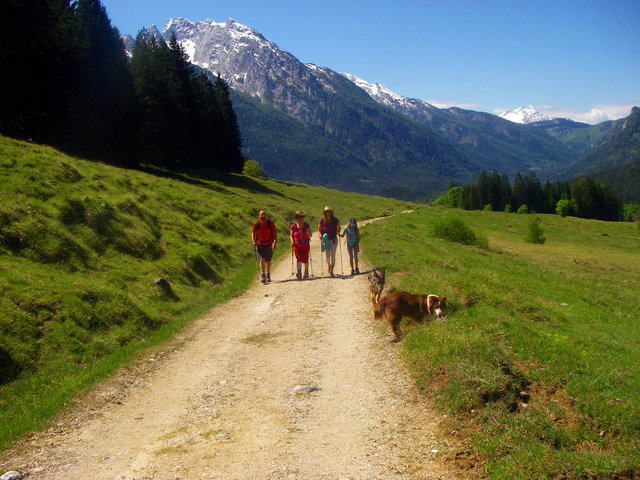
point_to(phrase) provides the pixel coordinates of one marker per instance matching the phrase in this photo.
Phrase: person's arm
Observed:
(291, 235)
(343, 232)
(253, 235)
(320, 229)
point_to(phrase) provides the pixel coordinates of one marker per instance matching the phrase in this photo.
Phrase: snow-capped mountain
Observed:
(251, 64)
(408, 106)
(305, 122)
(525, 115)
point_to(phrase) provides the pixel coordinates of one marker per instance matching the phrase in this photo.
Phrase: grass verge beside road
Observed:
(539, 361)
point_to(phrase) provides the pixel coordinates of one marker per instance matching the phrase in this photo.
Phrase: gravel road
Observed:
(290, 380)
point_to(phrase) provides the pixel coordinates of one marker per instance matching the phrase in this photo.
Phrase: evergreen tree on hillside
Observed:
(594, 200)
(161, 112)
(36, 49)
(101, 90)
(184, 121)
(230, 138)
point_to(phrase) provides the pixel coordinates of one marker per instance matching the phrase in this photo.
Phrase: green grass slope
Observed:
(539, 361)
(81, 244)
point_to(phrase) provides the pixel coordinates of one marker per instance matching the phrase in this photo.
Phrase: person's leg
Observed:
(268, 271)
(350, 252)
(334, 249)
(327, 255)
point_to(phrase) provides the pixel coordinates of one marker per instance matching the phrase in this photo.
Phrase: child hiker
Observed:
(300, 237)
(353, 243)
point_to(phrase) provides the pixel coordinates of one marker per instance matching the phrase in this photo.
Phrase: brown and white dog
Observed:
(404, 304)
(376, 284)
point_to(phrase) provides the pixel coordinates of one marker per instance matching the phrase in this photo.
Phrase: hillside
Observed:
(533, 374)
(81, 244)
(536, 364)
(625, 179)
(620, 148)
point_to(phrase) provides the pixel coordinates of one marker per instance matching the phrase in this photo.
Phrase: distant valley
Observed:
(313, 125)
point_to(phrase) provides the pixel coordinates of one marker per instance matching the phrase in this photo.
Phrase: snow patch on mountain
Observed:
(385, 96)
(524, 115)
(375, 90)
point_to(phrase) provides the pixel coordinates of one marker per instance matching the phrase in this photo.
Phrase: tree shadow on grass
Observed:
(202, 178)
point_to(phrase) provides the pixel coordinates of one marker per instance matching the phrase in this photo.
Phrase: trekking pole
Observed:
(341, 268)
(292, 273)
(321, 267)
(310, 259)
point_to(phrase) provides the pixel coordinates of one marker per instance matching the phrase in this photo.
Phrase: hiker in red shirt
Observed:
(300, 236)
(264, 238)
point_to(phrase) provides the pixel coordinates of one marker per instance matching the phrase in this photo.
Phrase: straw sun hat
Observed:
(299, 214)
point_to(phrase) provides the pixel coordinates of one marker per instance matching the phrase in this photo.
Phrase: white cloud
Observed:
(597, 113)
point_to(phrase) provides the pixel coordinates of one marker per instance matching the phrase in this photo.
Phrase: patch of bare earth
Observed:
(289, 380)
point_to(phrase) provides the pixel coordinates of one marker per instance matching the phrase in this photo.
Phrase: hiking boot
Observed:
(264, 278)
(268, 277)
(306, 273)
(298, 275)
(357, 271)
(352, 272)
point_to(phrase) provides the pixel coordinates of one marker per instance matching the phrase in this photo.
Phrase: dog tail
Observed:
(378, 311)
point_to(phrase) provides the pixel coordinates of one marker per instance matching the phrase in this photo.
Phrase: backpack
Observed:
(294, 229)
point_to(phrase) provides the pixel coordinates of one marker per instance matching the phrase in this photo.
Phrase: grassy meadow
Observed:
(81, 244)
(539, 359)
(538, 363)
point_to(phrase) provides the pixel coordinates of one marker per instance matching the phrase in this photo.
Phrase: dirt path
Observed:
(291, 380)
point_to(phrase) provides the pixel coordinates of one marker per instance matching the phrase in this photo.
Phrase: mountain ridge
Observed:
(379, 141)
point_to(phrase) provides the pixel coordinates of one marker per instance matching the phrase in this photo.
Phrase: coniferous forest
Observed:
(67, 82)
(583, 197)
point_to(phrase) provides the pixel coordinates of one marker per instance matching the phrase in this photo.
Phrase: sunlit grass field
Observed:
(539, 359)
(538, 362)
(81, 244)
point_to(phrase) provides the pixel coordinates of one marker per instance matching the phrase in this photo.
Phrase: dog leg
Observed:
(394, 321)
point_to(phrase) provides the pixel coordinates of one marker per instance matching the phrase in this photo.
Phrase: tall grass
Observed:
(539, 361)
(81, 244)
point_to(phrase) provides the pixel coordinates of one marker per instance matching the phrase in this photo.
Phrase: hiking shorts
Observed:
(265, 252)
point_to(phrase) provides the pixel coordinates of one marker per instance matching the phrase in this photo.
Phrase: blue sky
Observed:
(574, 59)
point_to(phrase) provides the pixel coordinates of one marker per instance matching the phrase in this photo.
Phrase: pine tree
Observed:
(230, 133)
(101, 91)
(29, 106)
